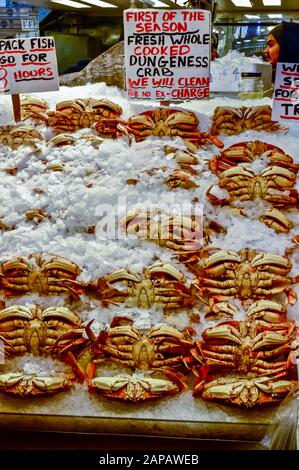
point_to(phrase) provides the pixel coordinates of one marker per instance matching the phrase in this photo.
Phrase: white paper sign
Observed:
(28, 65)
(286, 94)
(167, 54)
(224, 78)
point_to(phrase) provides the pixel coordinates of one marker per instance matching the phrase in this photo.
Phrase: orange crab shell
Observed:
(30, 386)
(232, 121)
(246, 393)
(247, 152)
(56, 275)
(77, 114)
(135, 390)
(172, 122)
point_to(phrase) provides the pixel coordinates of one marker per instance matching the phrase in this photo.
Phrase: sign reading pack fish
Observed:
(167, 54)
(28, 65)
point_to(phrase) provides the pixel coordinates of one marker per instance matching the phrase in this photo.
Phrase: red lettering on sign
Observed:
(139, 82)
(179, 50)
(33, 74)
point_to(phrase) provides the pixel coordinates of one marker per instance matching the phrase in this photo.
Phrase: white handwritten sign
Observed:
(28, 65)
(167, 54)
(286, 94)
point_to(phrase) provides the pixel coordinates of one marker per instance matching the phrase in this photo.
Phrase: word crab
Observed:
(51, 276)
(232, 121)
(37, 331)
(161, 283)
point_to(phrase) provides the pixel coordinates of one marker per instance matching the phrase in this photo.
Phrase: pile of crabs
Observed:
(239, 362)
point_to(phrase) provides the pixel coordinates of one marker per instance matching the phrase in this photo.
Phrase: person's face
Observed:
(272, 50)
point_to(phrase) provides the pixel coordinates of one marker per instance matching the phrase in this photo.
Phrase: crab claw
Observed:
(216, 201)
(275, 219)
(221, 308)
(202, 375)
(214, 140)
(89, 332)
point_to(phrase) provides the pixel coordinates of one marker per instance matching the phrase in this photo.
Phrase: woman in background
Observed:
(273, 43)
(214, 52)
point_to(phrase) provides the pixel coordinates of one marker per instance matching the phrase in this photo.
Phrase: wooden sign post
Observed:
(16, 103)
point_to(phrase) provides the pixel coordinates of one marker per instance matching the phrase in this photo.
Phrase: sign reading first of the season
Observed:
(286, 93)
(28, 65)
(167, 54)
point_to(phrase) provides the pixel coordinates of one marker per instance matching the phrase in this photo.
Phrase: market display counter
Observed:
(64, 187)
(124, 426)
(237, 425)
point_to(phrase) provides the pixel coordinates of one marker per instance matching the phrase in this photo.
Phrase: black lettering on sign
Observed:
(153, 72)
(7, 60)
(38, 44)
(285, 93)
(291, 82)
(287, 81)
(13, 45)
(146, 40)
(147, 61)
(290, 109)
(34, 58)
(190, 39)
(290, 67)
